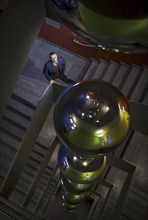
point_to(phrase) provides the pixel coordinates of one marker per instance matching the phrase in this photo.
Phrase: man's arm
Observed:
(45, 71)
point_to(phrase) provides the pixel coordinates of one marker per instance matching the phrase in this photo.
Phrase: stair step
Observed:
(6, 158)
(7, 150)
(26, 96)
(35, 157)
(46, 175)
(5, 162)
(27, 176)
(133, 215)
(101, 69)
(18, 119)
(39, 150)
(23, 101)
(32, 204)
(18, 112)
(23, 185)
(139, 193)
(43, 183)
(136, 206)
(20, 108)
(121, 75)
(4, 167)
(33, 80)
(138, 95)
(11, 143)
(13, 122)
(120, 150)
(78, 69)
(16, 196)
(9, 209)
(111, 71)
(32, 162)
(7, 155)
(30, 170)
(12, 130)
(91, 70)
(31, 85)
(138, 156)
(109, 208)
(131, 81)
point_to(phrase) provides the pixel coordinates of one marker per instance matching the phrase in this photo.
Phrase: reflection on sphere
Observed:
(92, 117)
(114, 25)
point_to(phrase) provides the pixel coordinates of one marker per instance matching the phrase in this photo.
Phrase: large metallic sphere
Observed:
(92, 117)
(115, 25)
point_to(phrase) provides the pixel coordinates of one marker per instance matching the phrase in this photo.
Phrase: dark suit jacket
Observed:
(48, 69)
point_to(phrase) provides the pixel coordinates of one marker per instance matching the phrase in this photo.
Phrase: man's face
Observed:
(54, 58)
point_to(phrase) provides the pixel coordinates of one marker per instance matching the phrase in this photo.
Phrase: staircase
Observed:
(37, 187)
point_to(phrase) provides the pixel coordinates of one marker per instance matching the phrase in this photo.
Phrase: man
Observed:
(54, 68)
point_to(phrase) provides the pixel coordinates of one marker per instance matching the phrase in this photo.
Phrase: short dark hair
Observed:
(51, 53)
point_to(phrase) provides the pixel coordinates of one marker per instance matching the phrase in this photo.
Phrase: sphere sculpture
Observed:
(91, 119)
(115, 25)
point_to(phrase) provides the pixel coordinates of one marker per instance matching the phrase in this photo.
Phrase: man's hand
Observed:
(52, 81)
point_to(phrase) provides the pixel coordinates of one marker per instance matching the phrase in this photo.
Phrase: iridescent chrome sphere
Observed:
(92, 118)
(77, 175)
(80, 169)
(115, 25)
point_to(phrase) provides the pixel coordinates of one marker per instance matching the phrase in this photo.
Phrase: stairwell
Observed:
(37, 188)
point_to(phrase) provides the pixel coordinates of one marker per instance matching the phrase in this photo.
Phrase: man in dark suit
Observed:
(54, 68)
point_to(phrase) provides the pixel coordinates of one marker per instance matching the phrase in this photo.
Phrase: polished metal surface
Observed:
(118, 26)
(79, 169)
(77, 176)
(92, 118)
